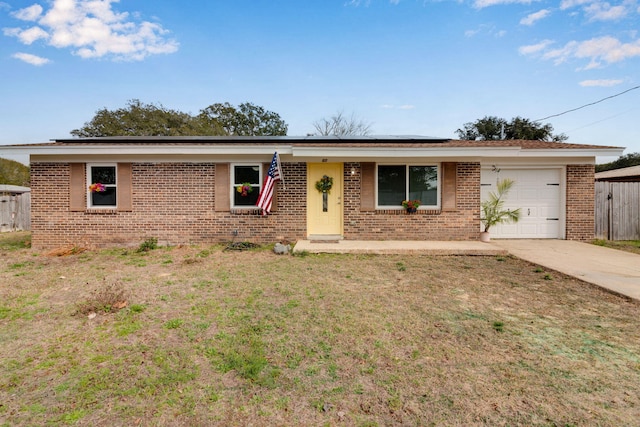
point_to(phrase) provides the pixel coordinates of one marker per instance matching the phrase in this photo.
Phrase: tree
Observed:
(139, 119)
(246, 120)
(628, 160)
(495, 128)
(13, 173)
(488, 128)
(339, 125)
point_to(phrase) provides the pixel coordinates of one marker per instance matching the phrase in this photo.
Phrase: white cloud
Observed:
(27, 36)
(597, 10)
(599, 51)
(607, 49)
(31, 59)
(602, 83)
(92, 29)
(479, 4)
(534, 48)
(30, 13)
(567, 4)
(532, 18)
(603, 11)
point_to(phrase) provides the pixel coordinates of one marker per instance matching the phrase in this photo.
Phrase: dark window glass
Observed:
(250, 174)
(243, 175)
(423, 184)
(103, 175)
(249, 200)
(104, 198)
(391, 185)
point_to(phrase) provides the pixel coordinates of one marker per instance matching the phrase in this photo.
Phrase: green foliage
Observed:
(498, 326)
(173, 323)
(496, 128)
(13, 173)
(148, 245)
(487, 128)
(246, 120)
(628, 160)
(493, 211)
(140, 119)
(301, 254)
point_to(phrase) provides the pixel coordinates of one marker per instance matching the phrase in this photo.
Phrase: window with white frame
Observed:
(245, 185)
(396, 183)
(103, 187)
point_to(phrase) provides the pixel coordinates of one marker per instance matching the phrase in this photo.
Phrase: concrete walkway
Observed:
(615, 270)
(611, 269)
(398, 247)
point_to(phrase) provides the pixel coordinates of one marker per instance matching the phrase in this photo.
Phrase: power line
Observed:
(587, 105)
(602, 120)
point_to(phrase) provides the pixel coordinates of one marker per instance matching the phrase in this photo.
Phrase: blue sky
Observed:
(409, 67)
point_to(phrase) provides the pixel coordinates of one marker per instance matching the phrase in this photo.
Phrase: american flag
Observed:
(266, 194)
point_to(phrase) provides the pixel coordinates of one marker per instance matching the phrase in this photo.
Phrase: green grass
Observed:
(15, 241)
(632, 246)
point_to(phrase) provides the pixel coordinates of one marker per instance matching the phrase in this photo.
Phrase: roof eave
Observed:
(307, 152)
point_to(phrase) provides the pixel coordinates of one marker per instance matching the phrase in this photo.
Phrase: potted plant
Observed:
(411, 206)
(492, 210)
(97, 188)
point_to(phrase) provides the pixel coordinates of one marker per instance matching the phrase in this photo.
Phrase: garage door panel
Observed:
(537, 193)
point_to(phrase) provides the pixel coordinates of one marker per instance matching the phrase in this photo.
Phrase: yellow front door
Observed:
(324, 211)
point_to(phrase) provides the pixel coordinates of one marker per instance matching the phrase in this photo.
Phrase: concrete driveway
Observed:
(612, 269)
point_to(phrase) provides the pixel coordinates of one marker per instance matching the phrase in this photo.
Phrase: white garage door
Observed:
(537, 192)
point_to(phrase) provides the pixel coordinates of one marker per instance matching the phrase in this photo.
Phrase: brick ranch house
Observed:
(184, 189)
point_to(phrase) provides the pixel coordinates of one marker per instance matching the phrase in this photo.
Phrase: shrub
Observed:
(107, 299)
(148, 245)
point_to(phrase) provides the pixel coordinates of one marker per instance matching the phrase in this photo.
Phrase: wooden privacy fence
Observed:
(15, 211)
(617, 210)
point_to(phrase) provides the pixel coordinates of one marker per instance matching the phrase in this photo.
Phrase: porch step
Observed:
(325, 238)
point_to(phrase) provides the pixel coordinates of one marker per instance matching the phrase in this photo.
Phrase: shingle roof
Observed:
(631, 171)
(356, 142)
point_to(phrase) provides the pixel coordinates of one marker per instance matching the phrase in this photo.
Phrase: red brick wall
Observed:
(175, 203)
(580, 202)
(461, 224)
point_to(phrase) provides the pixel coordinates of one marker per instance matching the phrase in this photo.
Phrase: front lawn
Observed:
(201, 336)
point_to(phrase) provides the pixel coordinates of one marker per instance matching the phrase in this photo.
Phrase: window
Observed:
(245, 185)
(102, 186)
(408, 182)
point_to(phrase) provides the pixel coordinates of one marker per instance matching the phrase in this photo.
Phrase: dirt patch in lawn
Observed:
(215, 337)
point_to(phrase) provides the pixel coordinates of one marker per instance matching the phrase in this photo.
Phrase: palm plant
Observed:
(492, 209)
